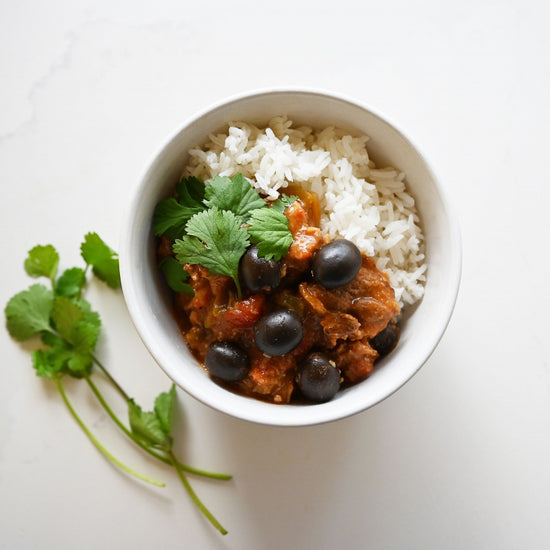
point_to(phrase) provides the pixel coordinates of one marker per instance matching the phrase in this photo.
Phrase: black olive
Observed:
(227, 361)
(258, 273)
(385, 340)
(337, 263)
(318, 378)
(279, 332)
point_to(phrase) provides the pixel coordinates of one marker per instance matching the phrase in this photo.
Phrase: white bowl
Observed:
(148, 301)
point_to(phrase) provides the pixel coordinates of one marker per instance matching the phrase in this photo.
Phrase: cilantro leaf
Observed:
(175, 275)
(154, 427)
(146, 425)
(65, 314)
(107, 270)
(70, 282)
(42, 261)
(171, 215)
(190, 191)
(76, 322)
(28, 312)
(164, 408)
(269, 231)
(102, 258)
(216, 241)
(283, 202)
(78, 327)
(84, 336)
(41, 365)
(170, 218)
(61, 357)
(234, 194)
(47, 363)
(93, 249)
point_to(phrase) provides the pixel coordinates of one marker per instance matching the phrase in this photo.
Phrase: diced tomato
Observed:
(245, 313)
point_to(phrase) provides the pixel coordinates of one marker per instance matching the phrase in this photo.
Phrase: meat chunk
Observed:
(373, 314)
(270, 378)
(339, 326)
(355, 359)
(369, 299)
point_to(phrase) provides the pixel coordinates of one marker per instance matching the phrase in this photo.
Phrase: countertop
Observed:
(458, 458)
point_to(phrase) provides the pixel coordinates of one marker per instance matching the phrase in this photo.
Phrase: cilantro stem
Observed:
(194, 496)
(111, 379)
(238, 285)
(98, 445)
(137, 441)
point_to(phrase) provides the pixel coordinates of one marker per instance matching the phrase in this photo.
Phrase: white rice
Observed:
(360, 202)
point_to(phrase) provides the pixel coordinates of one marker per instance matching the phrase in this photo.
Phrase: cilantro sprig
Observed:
(68, 330)
(102, 259)
(216, 240)
(171, 215)
(234, 195)
(213, 223)
(175, 275)
(269, 231)
(154, 428)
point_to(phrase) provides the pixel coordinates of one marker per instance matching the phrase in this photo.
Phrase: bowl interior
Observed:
(147, 297)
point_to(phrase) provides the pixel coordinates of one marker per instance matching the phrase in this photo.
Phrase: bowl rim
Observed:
(317, 413)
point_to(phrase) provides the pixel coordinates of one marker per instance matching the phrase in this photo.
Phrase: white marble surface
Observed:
(458, 459)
